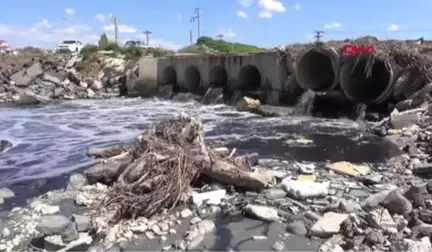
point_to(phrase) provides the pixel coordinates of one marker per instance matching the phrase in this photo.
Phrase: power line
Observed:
(318, 36)
(197, 18)
(147, 33)
(219, 36)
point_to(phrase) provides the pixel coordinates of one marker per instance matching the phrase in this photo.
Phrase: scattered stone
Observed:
(278, 246)
(349, 206)
(423, 245)
(6, 193)
(53, 224)
(381, 218)
(77, 181)
(374, 238)
(328, 224)
(195, 220)
(44, 208)
(274, 193)
(210, 198)
(297, 227)
(374, 200)
(264, 213)
(397, 203)
(180, 245)
(6, 232)
(332, 245)
(194, 242)
(83, 222)
(305, 189)
(186, 213)
(259, 237)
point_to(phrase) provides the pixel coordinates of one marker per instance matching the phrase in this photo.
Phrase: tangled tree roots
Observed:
(165, 163)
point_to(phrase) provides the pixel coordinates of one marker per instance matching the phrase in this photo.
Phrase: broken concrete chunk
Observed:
(405, 119)
(264, 213)
(328, 224)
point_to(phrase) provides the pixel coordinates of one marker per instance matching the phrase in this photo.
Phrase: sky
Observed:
(266, 23)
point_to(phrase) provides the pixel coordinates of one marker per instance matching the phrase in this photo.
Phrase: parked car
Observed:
(69, 46)
(137, 43)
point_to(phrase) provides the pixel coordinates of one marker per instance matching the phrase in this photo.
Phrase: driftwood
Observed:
(228, 173)
(158, 171)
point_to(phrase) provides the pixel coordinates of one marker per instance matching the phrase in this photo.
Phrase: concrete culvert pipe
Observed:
(192, 79)
(359, 86)
(250, 78)
(317, 68)
(218, 77)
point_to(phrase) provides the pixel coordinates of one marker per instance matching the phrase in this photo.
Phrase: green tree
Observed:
(103, 41)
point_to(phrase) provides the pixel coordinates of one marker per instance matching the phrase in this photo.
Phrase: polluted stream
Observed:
(50, 142)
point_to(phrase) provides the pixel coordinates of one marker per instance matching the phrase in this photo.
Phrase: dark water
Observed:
(51, 141)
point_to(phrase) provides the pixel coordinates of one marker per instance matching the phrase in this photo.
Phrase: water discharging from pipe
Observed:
(317, 69)
(363, 86)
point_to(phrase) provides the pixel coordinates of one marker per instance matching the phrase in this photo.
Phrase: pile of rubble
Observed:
(147, 190)
(40, 79)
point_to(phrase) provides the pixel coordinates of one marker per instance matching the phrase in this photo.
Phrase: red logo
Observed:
(353, 49)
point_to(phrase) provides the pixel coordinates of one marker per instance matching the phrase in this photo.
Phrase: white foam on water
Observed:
(53, 139)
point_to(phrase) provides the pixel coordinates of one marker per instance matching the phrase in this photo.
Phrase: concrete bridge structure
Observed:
(268, 72)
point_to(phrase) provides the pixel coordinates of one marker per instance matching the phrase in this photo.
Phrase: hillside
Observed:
(209, 45)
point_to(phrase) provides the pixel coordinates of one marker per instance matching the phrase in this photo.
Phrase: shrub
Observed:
(112, 46)
(103, 41)
(88, 51)
(227, 47)
(133, 52)
(157, 51)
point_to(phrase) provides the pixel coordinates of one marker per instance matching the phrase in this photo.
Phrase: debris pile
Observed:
(28, 80)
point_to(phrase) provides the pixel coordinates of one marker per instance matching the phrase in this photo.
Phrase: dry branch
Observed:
(164, 163)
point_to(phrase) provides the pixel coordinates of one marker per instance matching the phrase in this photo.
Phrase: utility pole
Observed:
(318, 36)
(191, 37)
(147, 33)
(219, 36)
(197, 18)
(116, 31)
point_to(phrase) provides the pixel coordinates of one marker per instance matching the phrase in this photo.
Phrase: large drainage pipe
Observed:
(366, 79)
(317, 68)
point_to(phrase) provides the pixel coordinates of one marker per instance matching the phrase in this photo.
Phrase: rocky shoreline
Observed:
(344, 206)
(39, 79)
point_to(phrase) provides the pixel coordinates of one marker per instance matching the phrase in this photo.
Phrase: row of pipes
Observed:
(360, 78)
